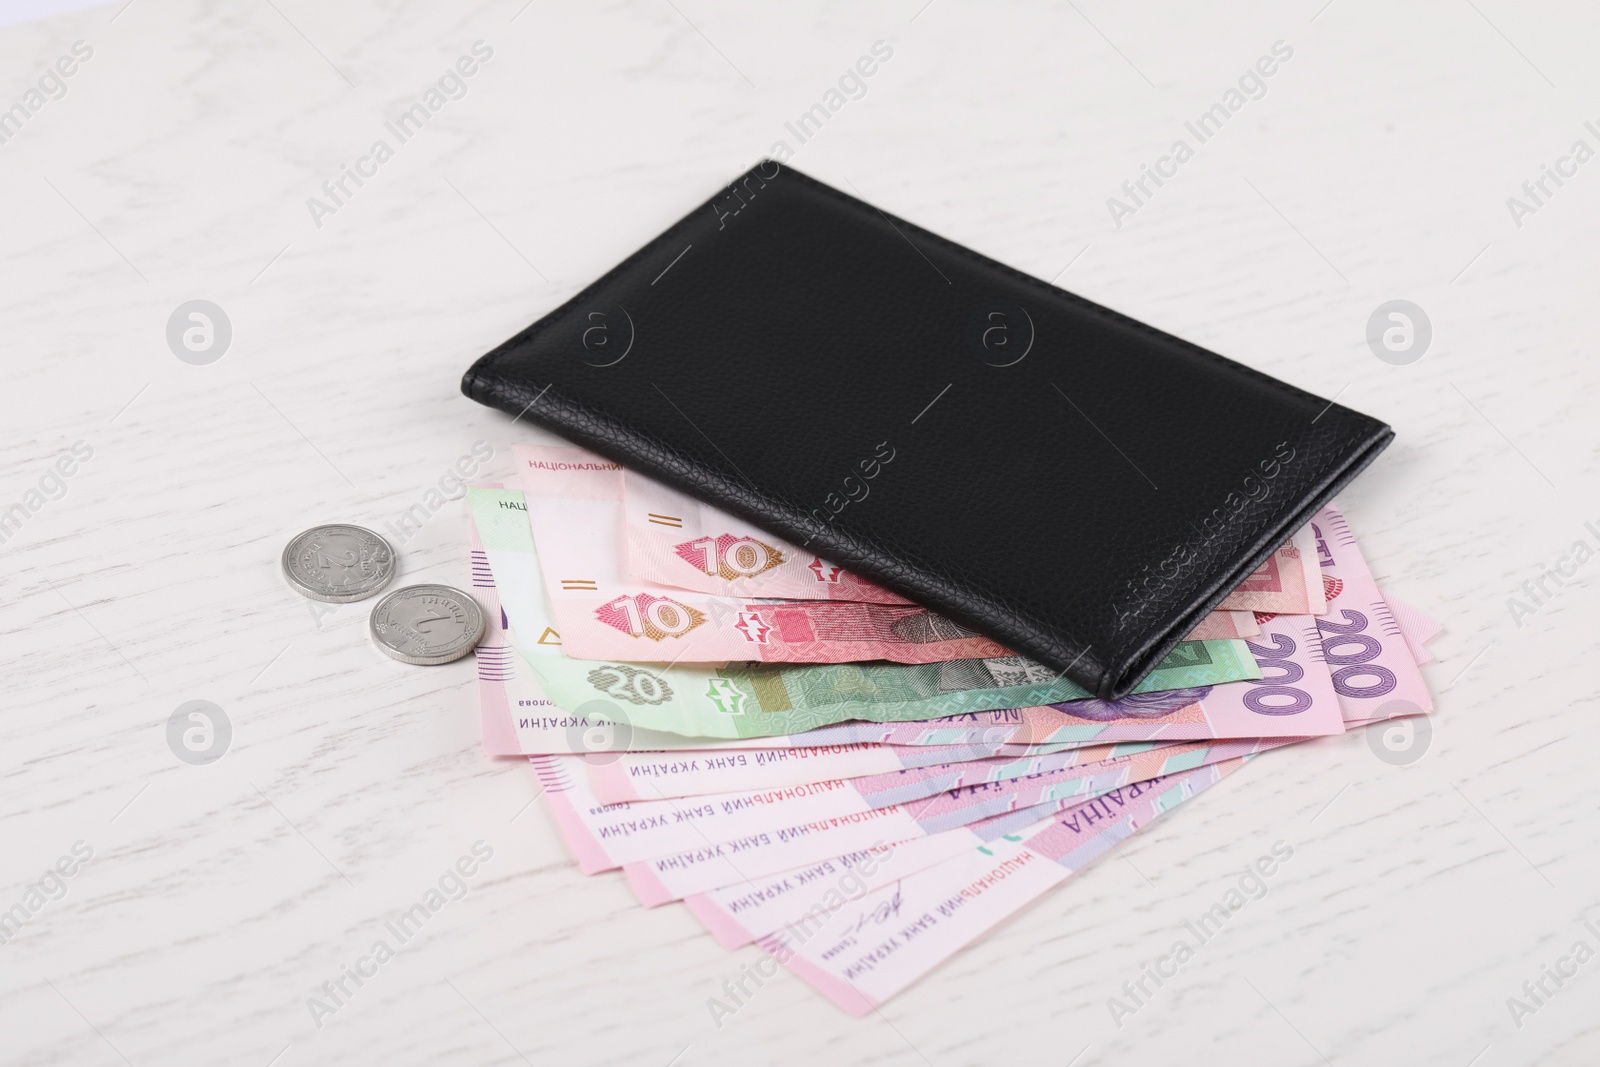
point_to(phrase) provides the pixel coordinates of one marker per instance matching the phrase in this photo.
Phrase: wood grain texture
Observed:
(177, 166)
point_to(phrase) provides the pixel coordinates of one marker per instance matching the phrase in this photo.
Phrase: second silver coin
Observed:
(426, 624)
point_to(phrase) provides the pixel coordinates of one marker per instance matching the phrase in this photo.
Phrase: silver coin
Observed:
(338, 563)
(426, 624)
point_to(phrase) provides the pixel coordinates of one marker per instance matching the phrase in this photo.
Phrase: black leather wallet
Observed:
(1075, 484)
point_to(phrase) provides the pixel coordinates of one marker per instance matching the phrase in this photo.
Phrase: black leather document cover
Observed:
(1075, 484)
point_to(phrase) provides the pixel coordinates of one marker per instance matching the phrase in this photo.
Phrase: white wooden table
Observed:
(1375, 165)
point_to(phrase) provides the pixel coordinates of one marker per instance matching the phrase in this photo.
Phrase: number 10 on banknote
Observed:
(673, 539)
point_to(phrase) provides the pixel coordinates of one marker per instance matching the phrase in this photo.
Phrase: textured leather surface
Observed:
(1071, 482)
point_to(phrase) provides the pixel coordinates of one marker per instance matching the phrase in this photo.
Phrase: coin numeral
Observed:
(425, 624)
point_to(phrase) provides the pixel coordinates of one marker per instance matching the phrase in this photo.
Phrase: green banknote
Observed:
(737, 700)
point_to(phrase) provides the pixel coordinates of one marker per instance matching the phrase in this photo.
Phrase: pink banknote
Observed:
(606, 836)
(755, 906)
(967, 804)
(1373, 668)
(712, 864)
(686, 832)
(1028, 780)
(721, 864)
(573, 499)
(865, 950)
(1418, 628)
(1289, 583)
(1220, 625)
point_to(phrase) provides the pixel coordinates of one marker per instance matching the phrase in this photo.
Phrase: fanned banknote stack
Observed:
(862, 787)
